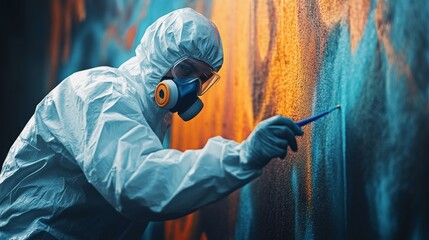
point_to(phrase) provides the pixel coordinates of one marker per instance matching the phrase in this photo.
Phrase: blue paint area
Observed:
(376, 147)
(398, 181)
(363, 93)
(295, 192)
(90, 46)
(328, 183)
(244, 228)
(87, 51)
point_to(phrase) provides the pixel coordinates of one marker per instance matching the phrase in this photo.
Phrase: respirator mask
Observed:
(191, 79)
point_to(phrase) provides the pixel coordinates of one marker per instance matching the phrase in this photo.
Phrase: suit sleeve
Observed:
(124, 160)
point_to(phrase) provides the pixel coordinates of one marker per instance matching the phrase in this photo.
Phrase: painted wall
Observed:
(359, 172)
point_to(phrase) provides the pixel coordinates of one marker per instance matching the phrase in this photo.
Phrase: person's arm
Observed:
(124, 160)
(105, 131)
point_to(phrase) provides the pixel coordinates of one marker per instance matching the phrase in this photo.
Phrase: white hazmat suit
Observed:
(90, 164)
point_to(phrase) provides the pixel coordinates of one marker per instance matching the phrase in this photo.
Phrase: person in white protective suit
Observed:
(89, 164)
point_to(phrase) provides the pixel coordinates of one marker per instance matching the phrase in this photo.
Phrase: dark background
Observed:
(24, 64)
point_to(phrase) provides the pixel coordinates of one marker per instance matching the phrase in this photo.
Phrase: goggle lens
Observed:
(188, 67)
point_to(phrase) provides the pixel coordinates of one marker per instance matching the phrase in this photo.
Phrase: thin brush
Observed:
(314, 118)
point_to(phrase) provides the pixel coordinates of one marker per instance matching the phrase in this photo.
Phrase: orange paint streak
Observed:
(332, 11)
(383, 32)
(284, 66)
(315, 22)
(110, 33)
(67, 20)
(358, 15)
(272, 56)
(204, 236)
(228, 105)
(66, 13)
(199, 6)
(113, 33)
(75, 10)
(55, 41)
(183, 228)
(130, 36)
(63, 14)
(263, 42)
(262, 29)
(230, 98)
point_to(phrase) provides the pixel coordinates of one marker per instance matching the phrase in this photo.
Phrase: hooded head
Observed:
(181, 33)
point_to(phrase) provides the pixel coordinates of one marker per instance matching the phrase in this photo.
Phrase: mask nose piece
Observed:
(192, 111)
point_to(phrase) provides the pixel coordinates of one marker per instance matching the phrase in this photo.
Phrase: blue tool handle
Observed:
(314, 118)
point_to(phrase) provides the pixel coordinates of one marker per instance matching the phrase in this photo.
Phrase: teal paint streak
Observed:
(384, 128)
(245, 226)
(399, 183)
(375, 147)
(327, 163)
(363, 93)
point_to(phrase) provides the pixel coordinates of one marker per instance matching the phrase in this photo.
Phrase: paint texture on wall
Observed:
(359, 172)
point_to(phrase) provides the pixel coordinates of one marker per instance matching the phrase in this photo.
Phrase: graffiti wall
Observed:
(359, 172)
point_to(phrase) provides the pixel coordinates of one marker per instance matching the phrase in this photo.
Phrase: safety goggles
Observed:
(189, 67)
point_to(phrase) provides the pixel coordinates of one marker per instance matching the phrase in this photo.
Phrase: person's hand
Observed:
(270, 139)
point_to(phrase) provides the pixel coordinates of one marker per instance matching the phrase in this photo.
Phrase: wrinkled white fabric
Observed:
(90, 164)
